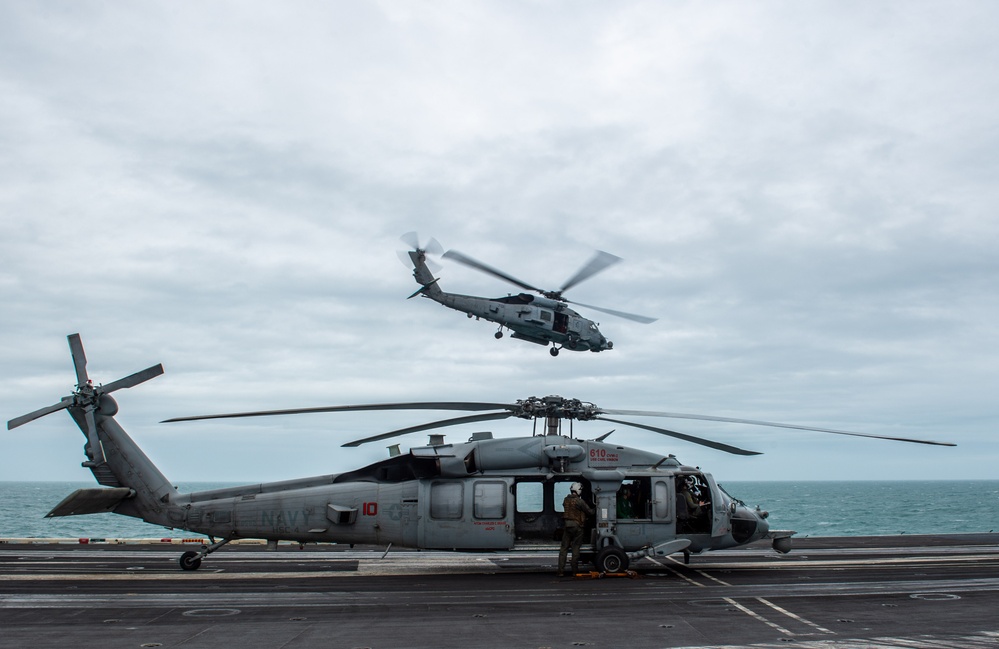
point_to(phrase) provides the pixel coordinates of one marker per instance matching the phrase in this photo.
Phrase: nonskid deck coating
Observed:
(829, 593)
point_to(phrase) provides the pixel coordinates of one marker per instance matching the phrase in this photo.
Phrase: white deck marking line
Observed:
(707, 576)
(700, 572)
(754, 614)
(677, 573)
(795, 617)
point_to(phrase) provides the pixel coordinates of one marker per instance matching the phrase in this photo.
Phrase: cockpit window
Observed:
(593, 327)
(731, 497)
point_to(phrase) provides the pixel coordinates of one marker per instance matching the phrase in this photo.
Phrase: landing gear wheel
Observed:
(498, 335)
(573, 343)
(190, 560)
(553, 351)
(611, 560)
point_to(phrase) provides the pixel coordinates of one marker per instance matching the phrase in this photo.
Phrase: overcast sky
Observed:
(804, 194)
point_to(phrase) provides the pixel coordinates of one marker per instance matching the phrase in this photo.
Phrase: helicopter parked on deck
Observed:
(483, 494)
(544, 319)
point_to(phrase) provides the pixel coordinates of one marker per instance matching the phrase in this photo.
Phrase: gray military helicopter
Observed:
(544, 319)
(483, 494)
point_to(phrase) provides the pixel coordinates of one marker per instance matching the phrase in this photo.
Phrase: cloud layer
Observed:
(804, 195)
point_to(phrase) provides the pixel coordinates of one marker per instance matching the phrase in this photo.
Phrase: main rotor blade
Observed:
(731, 420)
(478, 265)
(134, 379)
(418, 405)
(597, 263)
(434, 424)
(41, 412)
(621, 314)
(79, 358)
(689, 438)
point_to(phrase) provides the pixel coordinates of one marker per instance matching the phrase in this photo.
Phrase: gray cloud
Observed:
(803, 195)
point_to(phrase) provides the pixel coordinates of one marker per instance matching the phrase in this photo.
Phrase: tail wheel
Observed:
(611, 560)
(553, 351)
(190, 560)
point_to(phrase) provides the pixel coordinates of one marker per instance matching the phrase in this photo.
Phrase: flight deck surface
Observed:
(852, 592)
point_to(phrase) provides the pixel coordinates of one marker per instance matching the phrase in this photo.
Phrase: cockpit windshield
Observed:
(731, 497)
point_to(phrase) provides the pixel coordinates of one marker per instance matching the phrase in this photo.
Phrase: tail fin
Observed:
(421, 271)
(426, 279)
(112, 456)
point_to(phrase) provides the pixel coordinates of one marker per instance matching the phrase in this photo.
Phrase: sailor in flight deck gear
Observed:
(574, 512)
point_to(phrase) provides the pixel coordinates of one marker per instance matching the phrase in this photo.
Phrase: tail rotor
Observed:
(415, 250)
(88, 399)
(412, 239)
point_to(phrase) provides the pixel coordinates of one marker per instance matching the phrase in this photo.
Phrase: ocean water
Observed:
(810, 508)
(865, 508)
(23, 506)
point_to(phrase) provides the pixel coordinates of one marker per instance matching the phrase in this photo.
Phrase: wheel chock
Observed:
(595, 574)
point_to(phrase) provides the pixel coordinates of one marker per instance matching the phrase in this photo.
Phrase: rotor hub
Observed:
(554, 406)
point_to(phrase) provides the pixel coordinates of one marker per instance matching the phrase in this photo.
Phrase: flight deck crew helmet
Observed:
(576, 488)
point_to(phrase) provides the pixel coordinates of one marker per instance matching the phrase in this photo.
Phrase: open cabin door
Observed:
(538, 505)
(645, 506)
(704, 518)
(561, 324)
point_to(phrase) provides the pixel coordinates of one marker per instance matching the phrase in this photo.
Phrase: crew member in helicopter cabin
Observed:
(574, 513)
(689, 510)
(625, 502)
(692, 505)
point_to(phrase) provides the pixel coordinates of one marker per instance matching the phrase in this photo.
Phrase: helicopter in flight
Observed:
(484, 494)
(544, 319)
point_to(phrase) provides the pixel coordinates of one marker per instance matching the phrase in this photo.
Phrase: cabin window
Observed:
(530, 497)
(489, 501)
(445, 500)
(661, 499)
(561, 491)
(546, 315)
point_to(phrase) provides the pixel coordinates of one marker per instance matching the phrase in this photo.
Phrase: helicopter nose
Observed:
(749, 525)
(763, 526)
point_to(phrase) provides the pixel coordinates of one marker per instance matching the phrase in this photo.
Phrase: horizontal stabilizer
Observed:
(91, 501)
